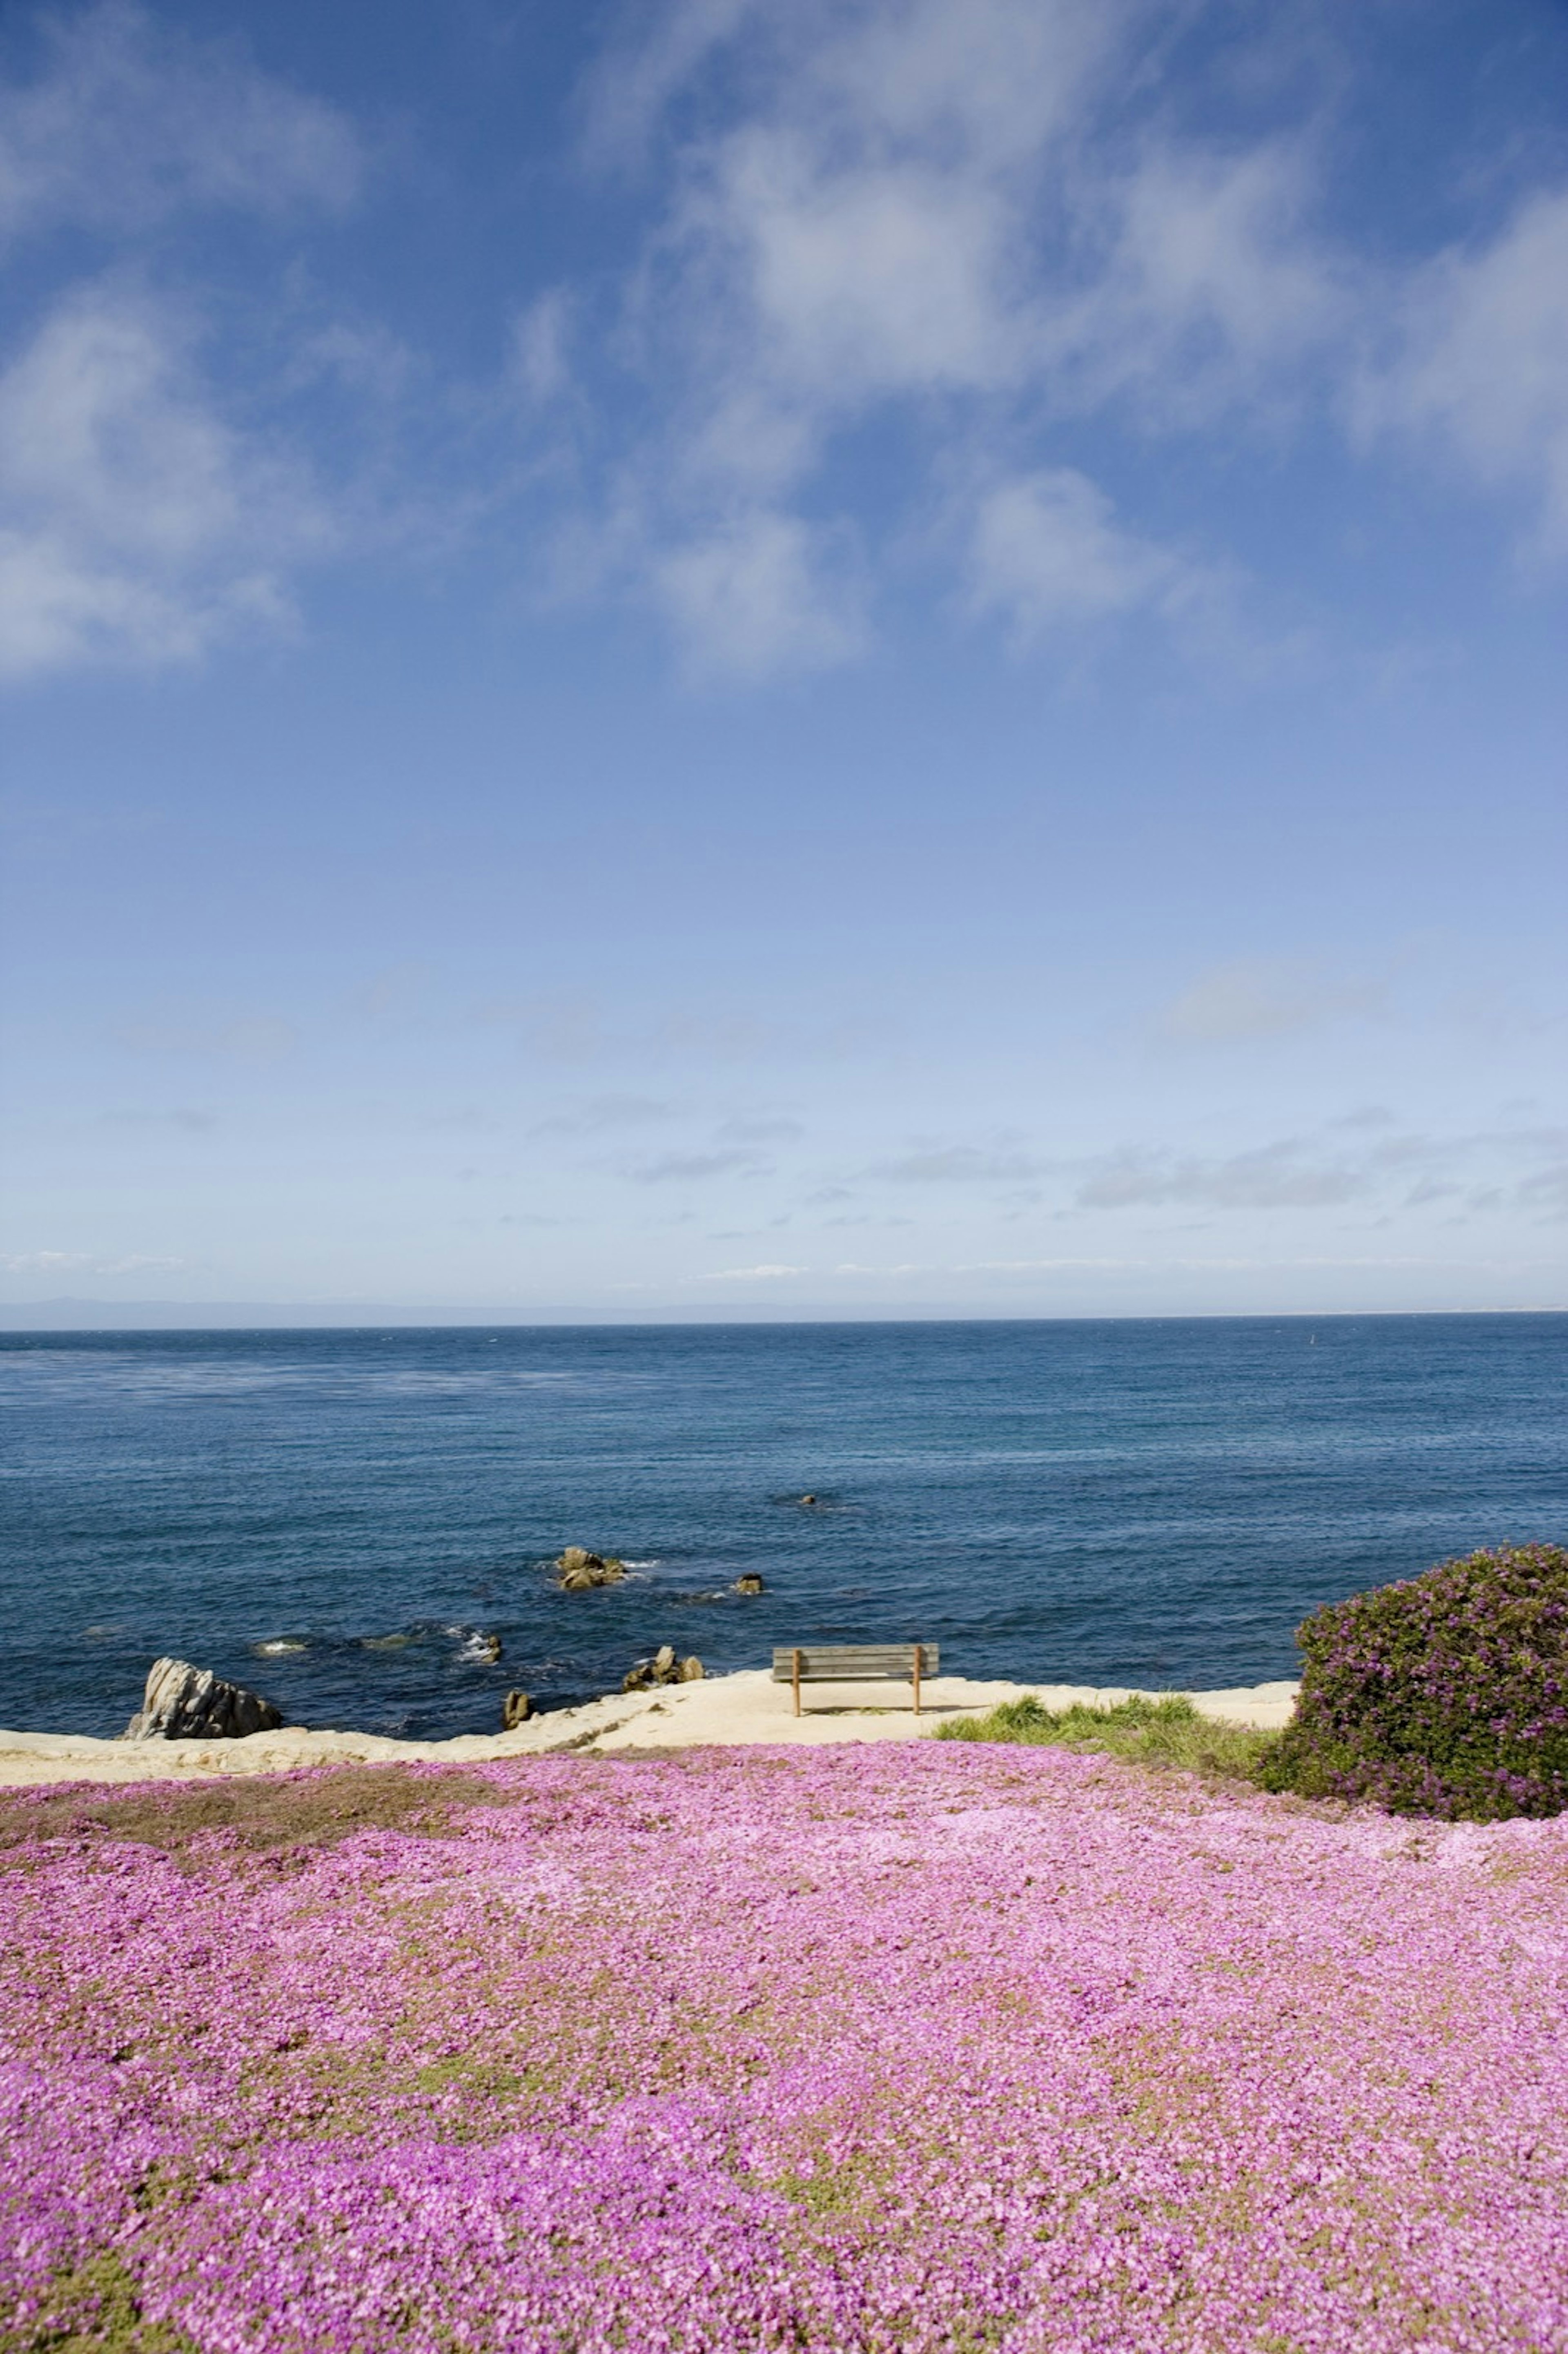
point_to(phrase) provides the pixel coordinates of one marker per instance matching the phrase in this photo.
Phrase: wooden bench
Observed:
(853, 1664)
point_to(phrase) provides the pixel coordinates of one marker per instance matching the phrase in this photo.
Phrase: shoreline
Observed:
(741, 1710)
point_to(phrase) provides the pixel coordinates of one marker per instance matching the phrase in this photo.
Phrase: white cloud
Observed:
(965, 1164)
(602, 1113)
(1045, 551)
(139, 524)
(135, 524)
(250, 1038)
(909, 206)
(1478, 363)
(541, 337)
(1270, 1177)
(130, 121)
(757, 595)
(974, 231)
(754, 1274)
(54, 1262)
(1211, 283)
(1262, 997)
(682, 1167)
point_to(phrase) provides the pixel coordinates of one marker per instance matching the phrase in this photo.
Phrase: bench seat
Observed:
(853, 1664)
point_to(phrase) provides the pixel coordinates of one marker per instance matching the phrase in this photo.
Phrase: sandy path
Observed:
(722, 1711)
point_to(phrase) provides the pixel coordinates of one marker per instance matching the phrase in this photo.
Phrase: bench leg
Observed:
(797, 1682)
(916, 1678)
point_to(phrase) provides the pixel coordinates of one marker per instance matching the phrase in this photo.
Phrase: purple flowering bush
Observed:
(1444, 1696)
(935, 2047)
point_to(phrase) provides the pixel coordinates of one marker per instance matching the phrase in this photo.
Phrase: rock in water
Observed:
(748, 1582)
(692, 1672)
(185, 1704)
(515, 1709)
(579, 1569)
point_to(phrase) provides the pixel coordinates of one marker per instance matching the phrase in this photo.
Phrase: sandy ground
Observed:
(722, 1711)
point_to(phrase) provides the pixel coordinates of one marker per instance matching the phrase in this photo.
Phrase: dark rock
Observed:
(807, 1500)
(749, 1582)
(185, 1704)
(515, 1709)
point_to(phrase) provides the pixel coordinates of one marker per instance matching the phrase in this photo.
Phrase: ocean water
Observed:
(1157, 1504)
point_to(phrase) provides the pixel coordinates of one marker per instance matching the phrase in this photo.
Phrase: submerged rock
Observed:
(516, 1709)
(183, 1702)
(578, 1570)
(749, 1582)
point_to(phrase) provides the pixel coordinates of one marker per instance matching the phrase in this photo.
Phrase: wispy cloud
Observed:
(767, 1273)
(681, 1168)
(979, 232)
(57, 1262)
(135, 525)
(129, 119)
(250, 1038)
(958, 1164)
(1263, 997)
(141, 520)
(600, 1113)
(1474, 363)
(1272, 1177)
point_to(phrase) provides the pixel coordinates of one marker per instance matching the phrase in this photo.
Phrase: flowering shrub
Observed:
(1444, 1696)
(933, 2048)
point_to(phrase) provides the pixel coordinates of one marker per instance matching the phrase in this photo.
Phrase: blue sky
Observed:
(727, 658)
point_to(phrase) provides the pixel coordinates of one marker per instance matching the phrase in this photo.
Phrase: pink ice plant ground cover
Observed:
(916, 2047)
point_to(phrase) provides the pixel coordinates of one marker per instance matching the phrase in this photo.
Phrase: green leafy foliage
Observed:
(1167, 1733)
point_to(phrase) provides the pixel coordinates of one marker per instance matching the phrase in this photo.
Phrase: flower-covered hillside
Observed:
(918, 2047)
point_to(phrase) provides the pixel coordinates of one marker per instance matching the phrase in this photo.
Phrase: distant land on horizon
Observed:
(71, 1315)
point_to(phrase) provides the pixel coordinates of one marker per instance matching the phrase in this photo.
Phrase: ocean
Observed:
(340, 1519)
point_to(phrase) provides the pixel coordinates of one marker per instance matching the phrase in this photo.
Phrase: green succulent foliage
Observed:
(1444, 1696)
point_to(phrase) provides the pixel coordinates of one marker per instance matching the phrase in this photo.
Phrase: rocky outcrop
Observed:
(663, 1668)
(185, 1704)
(578, 1570)
(516, 1709)
(749, 1582)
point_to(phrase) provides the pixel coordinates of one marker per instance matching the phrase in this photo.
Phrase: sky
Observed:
(861, 658)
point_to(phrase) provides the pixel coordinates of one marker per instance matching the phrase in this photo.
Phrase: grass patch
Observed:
(263, 1812)
(1167, 1734)
(94, 2310)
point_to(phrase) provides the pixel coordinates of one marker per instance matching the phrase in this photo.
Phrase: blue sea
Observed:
(1157, 1504)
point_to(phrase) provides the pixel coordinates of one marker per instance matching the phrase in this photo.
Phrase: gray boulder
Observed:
(749, 1582)
(185, 1704)
(516, 1709)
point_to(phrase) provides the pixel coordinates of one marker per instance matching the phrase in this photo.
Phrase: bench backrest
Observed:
(852, 1663)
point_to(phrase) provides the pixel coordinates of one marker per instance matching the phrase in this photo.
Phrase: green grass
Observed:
(1167, 1734)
